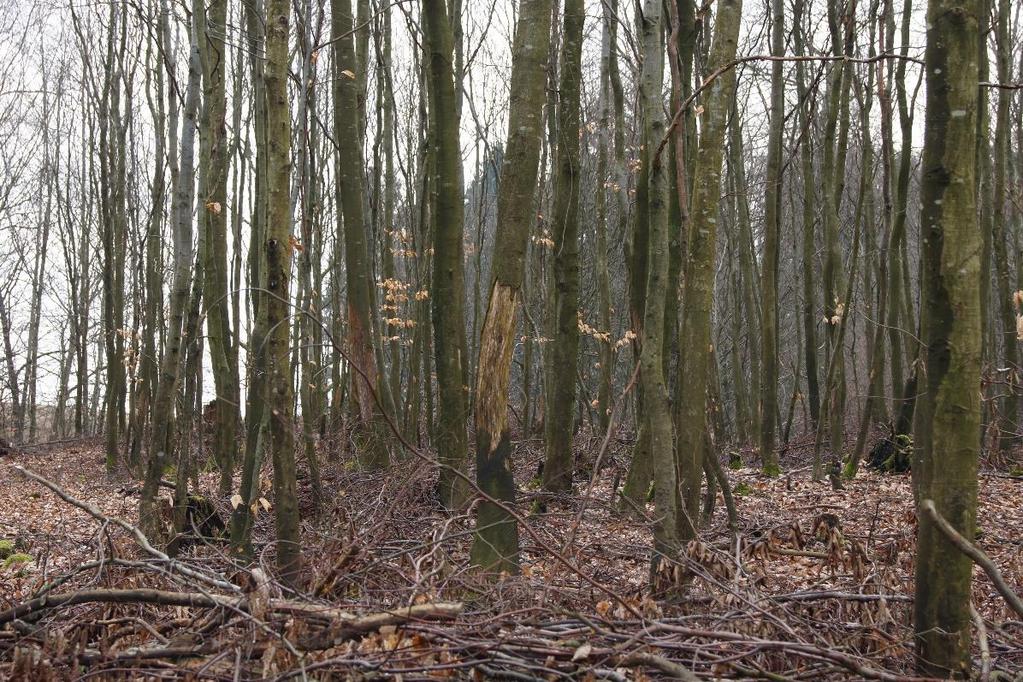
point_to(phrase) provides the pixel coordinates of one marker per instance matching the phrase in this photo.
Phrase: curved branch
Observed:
(975, 553)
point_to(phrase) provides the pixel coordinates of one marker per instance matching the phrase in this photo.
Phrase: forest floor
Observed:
(818, 585)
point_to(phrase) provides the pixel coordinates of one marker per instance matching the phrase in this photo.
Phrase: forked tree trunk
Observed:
(700, 271)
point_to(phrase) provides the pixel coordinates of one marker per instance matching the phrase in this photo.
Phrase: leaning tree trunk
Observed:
(948, 414)
(496, 545)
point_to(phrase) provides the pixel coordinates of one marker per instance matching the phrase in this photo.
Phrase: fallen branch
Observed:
(975, 553)
(676, 671)
(844, 596)
(147, 653)
(368, 623)
(115, 596)
(347, 623)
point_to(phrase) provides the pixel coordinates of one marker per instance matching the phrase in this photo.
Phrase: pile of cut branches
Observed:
(813, 585)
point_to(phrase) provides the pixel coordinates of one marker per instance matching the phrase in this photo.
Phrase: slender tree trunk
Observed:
(214, 158)
(308, 326)
(657, 410)
(557, 473)
(605, 352)
(748, 265)
(111, 182)
(161, 447)
(448, 295)
(772, 238)
(276, 305)
(14, 383)
(256, 398)
(150, 361)
(836, 134)
(808, 243)
(391, 236)
(898, 274)
(876, 361)
(369, 391)
(1008, 426)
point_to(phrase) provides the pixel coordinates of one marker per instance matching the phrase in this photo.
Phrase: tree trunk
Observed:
(496, 545)
(448, 295)
(214, 160)
(836, 132)
(560, 414)
(808, 242)
(657, 410)
(276, 305)
(1008, 425)
(948, 415)
(161, 446)
(700, 271)
(605, 352)
(256, 398)
(369, 391)
(772, 237)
